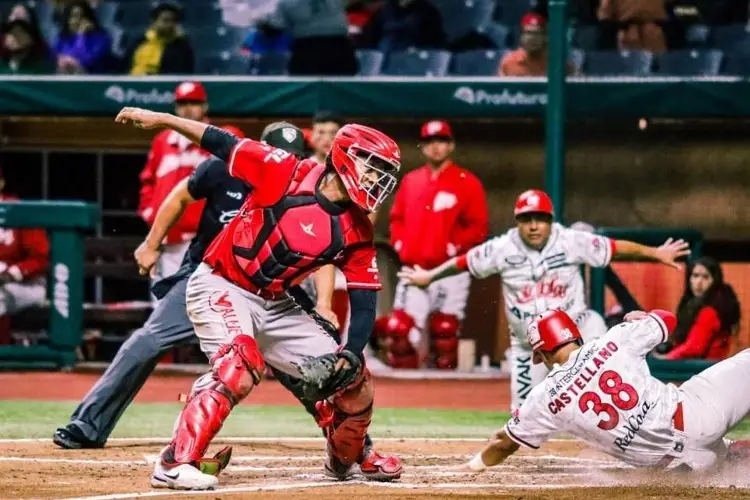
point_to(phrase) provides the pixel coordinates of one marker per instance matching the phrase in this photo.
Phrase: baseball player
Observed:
(173, 158)
(299, 216)
(539, 262)
(94, 419)
(440, 211)
(602, 393)
(24, 261)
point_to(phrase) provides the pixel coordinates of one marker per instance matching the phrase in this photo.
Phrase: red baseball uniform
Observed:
(437, 216)
(24, 252)
(286, 229)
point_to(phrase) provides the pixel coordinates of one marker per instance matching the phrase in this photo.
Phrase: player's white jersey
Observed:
(606, 396)
(536, 281)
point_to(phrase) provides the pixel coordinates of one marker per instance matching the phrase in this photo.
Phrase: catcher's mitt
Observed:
(320, 377)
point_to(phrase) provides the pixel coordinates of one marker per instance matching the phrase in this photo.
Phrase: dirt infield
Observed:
(292, 469)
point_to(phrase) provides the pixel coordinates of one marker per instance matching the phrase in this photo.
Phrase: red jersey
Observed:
(172, 158)
(705, 339)
(24, 252)
(436, 216)
(286, 229)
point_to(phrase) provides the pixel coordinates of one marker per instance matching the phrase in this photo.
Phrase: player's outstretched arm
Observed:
(667, 253)
(422, 277)
(169, 212)
(495, 452)
(325, 281)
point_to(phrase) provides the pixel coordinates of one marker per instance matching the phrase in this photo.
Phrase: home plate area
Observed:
(292, 468)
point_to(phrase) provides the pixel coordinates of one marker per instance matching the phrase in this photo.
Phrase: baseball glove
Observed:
(320, 378)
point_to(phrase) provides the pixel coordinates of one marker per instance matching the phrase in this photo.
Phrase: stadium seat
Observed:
(476, 63)
(510, 12)
(737, 64)
(586, 37)
(370, 62)
(213, 39)
(690, 62)
(461, 17)
(578, 58)
(697, 36)
(417, 63)
(223, 63)
(134, 13)
(201, 14)
(730, 37)
(498, 33)
(269, 64)
(624, 63)
(106, 12)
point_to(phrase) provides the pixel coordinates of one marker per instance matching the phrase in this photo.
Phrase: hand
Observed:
(140, 118)
(415, 276)
(146, 258)
(327, 314)
(635, 315)
(672, 250)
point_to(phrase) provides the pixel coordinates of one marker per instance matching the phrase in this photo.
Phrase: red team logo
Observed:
(219, 303)
(549, 288)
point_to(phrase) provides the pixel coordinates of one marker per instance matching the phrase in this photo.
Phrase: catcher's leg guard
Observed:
(236, 368)
(444, 332)
(345, 420)
(395, 330)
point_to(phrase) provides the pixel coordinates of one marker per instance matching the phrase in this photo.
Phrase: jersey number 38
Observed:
(611, 384)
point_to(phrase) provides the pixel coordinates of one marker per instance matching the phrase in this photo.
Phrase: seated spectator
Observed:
(320, 44)
(638, 23)
(359, 13)
(23, 51)
(164, 48)
(530, 58)
(404, 24)
(707, 317)
(83, 45)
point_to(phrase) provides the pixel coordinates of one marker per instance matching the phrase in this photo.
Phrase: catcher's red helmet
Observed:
(367, 161)
(534, 201)
(550, 330)
(190, 91)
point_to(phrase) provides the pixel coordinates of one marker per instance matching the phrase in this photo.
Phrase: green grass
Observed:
(39, 419)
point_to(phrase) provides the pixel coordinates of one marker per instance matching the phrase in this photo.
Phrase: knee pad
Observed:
(236, 368)
(394, 329)
(444, 332)
(346, 419)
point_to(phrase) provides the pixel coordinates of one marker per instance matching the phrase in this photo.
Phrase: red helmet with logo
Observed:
(190, 91)
(534, 201)
(550, 330)
(367, 161)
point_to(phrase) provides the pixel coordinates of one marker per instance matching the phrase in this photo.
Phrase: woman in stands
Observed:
(23, 51)
(708, 315)
(83, 45)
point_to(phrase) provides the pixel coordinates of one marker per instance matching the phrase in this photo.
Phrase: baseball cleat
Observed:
(181, 477)
(71, 437)
(376, 467)
(335, 469)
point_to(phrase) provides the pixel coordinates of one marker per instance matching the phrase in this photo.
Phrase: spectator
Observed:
(403, 24)
(165, 48)
(260, 42)
(359, 13)
(23, 51)
(320, 45)
(707, 317)
(530, 58)
(83, 45)
(638, 23)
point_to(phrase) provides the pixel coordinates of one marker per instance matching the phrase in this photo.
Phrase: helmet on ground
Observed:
(550, 330)
(534, 201)
(367, 161)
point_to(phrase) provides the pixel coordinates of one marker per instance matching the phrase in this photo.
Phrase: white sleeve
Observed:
(589, 248)
(531, 425)
(487, 259)
(642, 335)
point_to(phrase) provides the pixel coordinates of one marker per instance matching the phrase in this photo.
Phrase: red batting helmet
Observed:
(550, 330)
(367, 161)
(534, 201)
(190, 91)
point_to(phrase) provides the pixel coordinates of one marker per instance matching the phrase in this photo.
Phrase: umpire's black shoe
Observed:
(70, 437)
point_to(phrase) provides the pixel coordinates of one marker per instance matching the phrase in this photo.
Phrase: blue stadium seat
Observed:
(510, 12)
(690, 62)
(269, 64)
(613, 63)
(370, 62)
(737, 64)
(223, 63)
(106, 12)
(417, 63)
(134, 13)
(214, 39)
(476, 63)
(578, 58)
(498, 33)
(697, 36)
(730, 37)
(201, 14)
(586, 37)
(461, 17)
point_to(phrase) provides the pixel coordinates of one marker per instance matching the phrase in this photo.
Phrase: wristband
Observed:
(476, 464)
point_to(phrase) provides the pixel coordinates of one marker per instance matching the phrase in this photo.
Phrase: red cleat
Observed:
(376, 467)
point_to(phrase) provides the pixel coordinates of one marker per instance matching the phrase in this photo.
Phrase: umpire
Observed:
(168, 326)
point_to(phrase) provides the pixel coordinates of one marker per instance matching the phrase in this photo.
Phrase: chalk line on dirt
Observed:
(239, 439)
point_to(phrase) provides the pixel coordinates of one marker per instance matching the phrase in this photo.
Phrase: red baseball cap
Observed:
(436, 129)
(533, 201)
(190, 91)
(532, 20)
